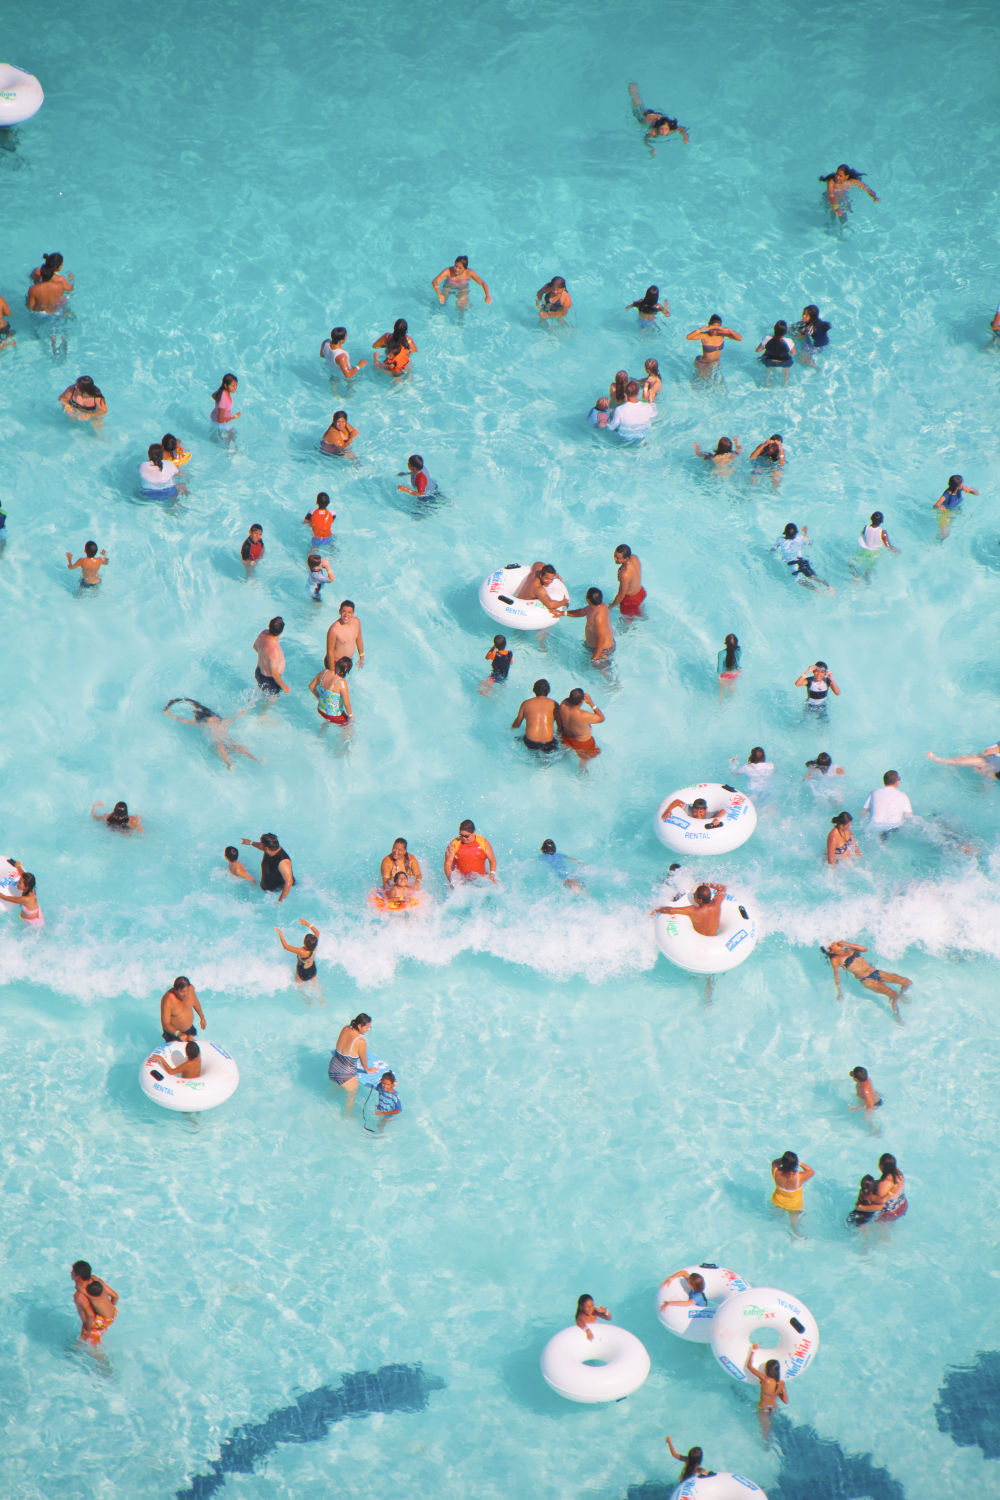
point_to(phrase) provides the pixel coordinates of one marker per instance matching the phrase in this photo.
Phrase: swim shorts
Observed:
(545, 745)
(265, 683)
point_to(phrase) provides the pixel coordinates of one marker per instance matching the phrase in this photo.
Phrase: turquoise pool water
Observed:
(226, 188)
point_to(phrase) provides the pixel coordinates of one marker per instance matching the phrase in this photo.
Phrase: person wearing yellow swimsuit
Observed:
(790, 1176)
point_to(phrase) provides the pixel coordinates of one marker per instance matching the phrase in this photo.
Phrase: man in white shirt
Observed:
(632, 420)
(887, 807)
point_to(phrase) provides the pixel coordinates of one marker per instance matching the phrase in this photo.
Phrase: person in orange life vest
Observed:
(321, 520)
(470, 854)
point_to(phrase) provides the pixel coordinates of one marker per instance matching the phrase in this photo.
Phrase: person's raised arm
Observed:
(757, 1375)
(288, 947)
(756, 454)
(675, 802)
(680, 1457)
(805, 676)
(252, 843)
(97, 817)
(70, 564)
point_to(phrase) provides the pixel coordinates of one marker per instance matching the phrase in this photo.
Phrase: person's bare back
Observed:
(538, 717)
(270, 657)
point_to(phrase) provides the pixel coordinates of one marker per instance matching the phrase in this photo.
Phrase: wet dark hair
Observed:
(632, 389)
(313, 560)
(387, 1075)
(696, 1281)
(309, 941)
(812, 312)
(843, 168)
(714, 319)
(702, 894)
(346, 604)
(51, 263)
(118, 816)
(954, 481)
(414, 461)
(217, 395)
(624, 549)
(861, 1074)
(500, 641)
(270, 842)
(338, 334)
(342, 665)
(888, 1167)
(823, 759)
(692, 1462)
(773, 1369)
(400, 328)
(548, 846)
(724, 445)
(756, 755)
(337, 416)
(95, 1288)
(780, 329)
(231, 852)
(791, 530)
(541, 688)
(86, 384)
(399, 841)
(649, 301)
(700, 802)
(255, 526)
(583, 1297)
(200, 711)
(275, 626)
(27, 882)
(90, 548)
(788, 1161)
(876, 518)
(621, 385)
(547, 568)
(155, 454)
(841, 819)
(575, 697)
(651, 367)
(82, 1269)
(594, 596)
(322, 499)
(361, 1019)
(182, 982)
(193, 1050)
(169, 444)
(732, 646)
(466, 826)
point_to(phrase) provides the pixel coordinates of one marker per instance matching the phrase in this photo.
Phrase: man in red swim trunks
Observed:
(470, 854)
(575, 722)
(95, 1301)
(630, 590)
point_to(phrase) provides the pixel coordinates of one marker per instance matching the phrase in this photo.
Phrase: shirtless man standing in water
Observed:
(630, 593)
(270, 660)
(537, 714)
(712, 338)
(177, 1008)
(344, 637)
(598, 635)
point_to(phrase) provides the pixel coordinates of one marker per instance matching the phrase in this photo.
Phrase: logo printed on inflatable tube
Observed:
(736, 939)
(751, 1310)
(727, 1364)
(799, 1358)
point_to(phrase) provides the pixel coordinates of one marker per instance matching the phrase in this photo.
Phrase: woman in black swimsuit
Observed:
(655, 122)
(305, 957)
(84, 401)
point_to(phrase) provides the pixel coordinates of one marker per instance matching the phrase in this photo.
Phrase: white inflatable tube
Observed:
(717, 1487)
(735, 941)
(761, 1309)
(9, 878)
(686, 835)
(20, 95)
(497, 596)
(695, 1323)
(623, 1368)
(219, 1078)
